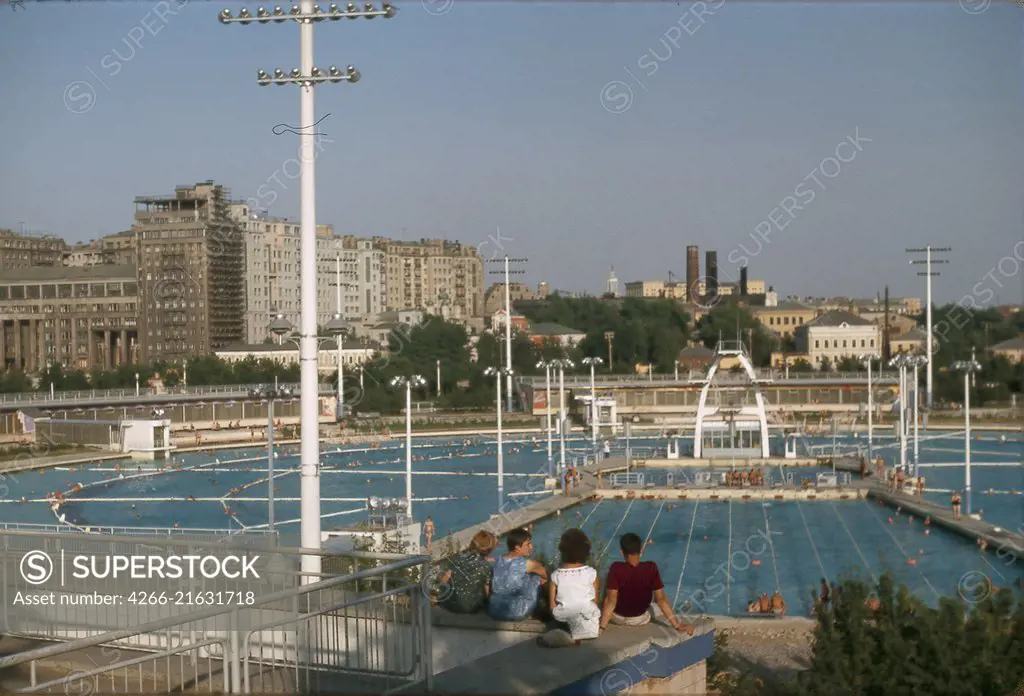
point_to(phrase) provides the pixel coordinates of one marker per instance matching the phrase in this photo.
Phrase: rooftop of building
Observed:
(785, 306)
(915, 334)
(551, 329)
(106, 272)
(1010, 344)
(839, 317)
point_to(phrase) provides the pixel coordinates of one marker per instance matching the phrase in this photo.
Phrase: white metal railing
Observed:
(699, 376)
(368, 625)
(146, 395)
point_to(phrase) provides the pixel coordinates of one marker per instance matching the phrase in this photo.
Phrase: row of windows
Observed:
(853, 343)
(784, 321)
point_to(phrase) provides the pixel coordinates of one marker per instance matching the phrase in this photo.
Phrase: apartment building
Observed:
(660, 289)
(28, 250)
(363, 278)
(80, 318)
(191, 273)
(836, 335)
(271, 251)
(494, 299)
(115, 249)
(784, 317)
(434, 274)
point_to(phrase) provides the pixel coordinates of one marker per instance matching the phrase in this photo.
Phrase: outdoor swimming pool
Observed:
(720, 547)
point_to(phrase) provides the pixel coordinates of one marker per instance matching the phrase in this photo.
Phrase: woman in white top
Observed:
(573, 589)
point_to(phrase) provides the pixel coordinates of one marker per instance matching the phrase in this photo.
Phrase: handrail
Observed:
(160, 624)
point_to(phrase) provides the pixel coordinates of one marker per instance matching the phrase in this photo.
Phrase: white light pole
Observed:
(900, 362)
(928, 273)
(498, 373)
(408, 382)
(969, 368)
(336, 327)
(561, 364)
(867, 360)
(547, 365)
(271, 395)
(136, 384)
(306, 77)
(341, 362)
(592, 363)
(438, 379)
(508, 336)
(917, 361)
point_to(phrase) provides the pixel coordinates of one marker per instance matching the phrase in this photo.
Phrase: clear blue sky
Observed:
(491, 115)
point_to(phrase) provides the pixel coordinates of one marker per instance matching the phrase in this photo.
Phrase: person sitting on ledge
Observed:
(632, 586)
(517, 580)
(572, 593)
(467, 581)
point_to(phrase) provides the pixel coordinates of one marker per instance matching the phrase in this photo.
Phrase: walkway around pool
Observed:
(1008, 544)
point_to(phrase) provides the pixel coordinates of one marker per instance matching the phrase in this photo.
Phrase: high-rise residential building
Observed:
(435, 275)
(692, 270)
(79, 318)
(494, 298)
(191, 273)
(272, 259)
(18, 250)
(363, 278)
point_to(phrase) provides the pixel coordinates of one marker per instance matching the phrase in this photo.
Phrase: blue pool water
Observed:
(716, 554)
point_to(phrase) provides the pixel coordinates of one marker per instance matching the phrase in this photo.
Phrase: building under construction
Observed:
(191, 273)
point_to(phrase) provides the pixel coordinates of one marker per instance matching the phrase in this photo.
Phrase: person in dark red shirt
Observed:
(632, 586)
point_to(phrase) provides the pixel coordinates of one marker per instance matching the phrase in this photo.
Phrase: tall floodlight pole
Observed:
(928, 260)
(336, 327)
(498, 373)
(341, 362)
(547, 364)
(561, 364)
(969, 368)
(306, 77)
(917, 361)
(408, 383)
(900, 362)
(592, 363)
(508, 271)
(439, 379)
(867, 360)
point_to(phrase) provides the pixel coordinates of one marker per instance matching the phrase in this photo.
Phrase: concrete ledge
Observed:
(622, 657)
(482, 622)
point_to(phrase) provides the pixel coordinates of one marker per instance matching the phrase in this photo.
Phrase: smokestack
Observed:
(886, 347)
(711, 272)
(743, 282)
(692, 272)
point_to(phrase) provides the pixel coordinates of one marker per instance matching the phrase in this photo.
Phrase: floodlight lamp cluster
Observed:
(967, 366)
(411, 380)
(333, 74)
(376, 504)
(563, 363)
(498, 371)
(592, 361)
(333, 13)
(267, 392)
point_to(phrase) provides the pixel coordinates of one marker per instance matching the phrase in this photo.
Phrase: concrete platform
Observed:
(1007, 544)
(789, 493)
(622, 658)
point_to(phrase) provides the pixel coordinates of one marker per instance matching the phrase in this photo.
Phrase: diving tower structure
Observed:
(731, 418)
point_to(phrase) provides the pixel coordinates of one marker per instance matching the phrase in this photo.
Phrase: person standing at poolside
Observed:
(955, 502)
(428, 531)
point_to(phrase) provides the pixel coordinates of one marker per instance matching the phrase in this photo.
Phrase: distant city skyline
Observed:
(483, 118)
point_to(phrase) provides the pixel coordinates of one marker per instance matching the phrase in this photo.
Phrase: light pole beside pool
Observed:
(561, 364)
(498, 373)
(917, 361)
(136, 384)
(900, 362)
(592, 363)
(306, 77)
(408, 382)
(969, 368)
(271, 394)
(867, 360)
(547, 365)
(336, 327)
